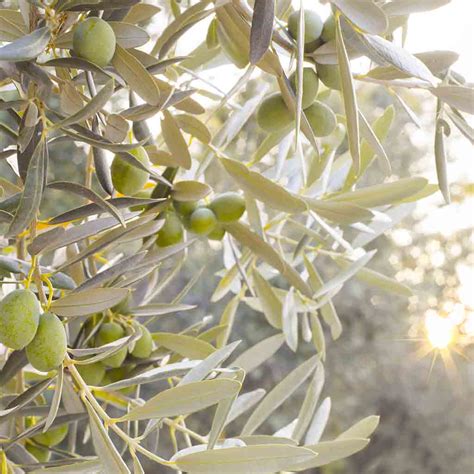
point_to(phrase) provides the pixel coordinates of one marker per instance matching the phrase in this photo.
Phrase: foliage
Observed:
(296, 197)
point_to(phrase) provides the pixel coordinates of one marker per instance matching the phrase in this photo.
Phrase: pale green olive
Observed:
(321, 119)
(310, 86)
(126, 178)
(273, 114)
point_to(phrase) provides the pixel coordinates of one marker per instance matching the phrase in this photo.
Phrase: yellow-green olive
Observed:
(329, 75)
(127, 178)
(53, 436)
(273, 114)
(216, 234)
(144, 346)
(228, 207)
(48, 348)
(41, 454)
(94, 40)
(202, 221)
(19, 318)
(185, 208)
(329, 29)
(321, 119)
(92, 373)
(110, 332)
(313, 27)
(310, 86)
(172, 231)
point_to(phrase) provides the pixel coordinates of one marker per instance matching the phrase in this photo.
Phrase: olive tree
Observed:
(84, 290)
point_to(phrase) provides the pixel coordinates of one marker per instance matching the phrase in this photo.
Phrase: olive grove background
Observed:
(426, 408)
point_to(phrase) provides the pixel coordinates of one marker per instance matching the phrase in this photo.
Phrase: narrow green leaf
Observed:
(27, 47)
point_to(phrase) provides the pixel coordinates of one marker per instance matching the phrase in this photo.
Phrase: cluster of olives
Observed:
(273, 115)
(111, 368)
(94, 40)
(200, 219)
(23, 327)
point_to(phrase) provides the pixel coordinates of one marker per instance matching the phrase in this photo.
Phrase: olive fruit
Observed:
(216, 234)
(144, 346)
(321, 119)
(185, 208)
(19, 318)
(48, 348)
(119, 373)
(94, 40)
(53, 436)
(228, 207)
(110, 332)
(92, 373)
(313, 27)
(273, 114)
(329, 29)
(310, 86)
(172, 231)
(202, 221)
(126, 178)
(329, 75)
(41, 454)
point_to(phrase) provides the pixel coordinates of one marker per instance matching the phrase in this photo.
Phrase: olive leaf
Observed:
(26, 47)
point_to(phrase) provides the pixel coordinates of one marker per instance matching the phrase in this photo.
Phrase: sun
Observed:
(439, 330)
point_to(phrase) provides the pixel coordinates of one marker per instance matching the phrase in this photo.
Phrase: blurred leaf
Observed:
(190, 191)
(348, 93)
(32, 192)
(109, 456)
(406, 7)
(271, 305)
(136, 75)
(88, 302)
(26, 47)
(187, 346)
(175, 141)
(194, 127)
(262, 29)
(129, 35)
(365, 14)
(277, 396)
(184, 399)
(457, 96)
(319, 422)
(362, 429)
(247, 459)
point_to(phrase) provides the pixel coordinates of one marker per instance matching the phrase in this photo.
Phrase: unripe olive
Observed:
(329, 29)
(94, 40)
(143, 194)
(216, 234)
(48, 348)
(53, 436)
(185, 208)
(329, 75)
(126, 178)
(321, 119)
(310, 86)
(144, 346)
(19, 318)
(120, 373)
(202, 221)
(41, 454)
(313, 27)
(110, 332)
(172, 231)
(273, 114)
(92, 373)
(228, 207)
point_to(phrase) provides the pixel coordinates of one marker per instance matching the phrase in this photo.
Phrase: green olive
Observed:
(19, 318)
(321, 119)
(48, 348)
(53, 436)
(94, 40)
(202, 221)
(228, 207)
(119, 373)
(41, 454)
(172, 231)
(216, 234)
(126, 178)
(329, 29)
(313, 27)
(144, 346)
(329, 75)
(273, 114)
(92, 373)
(110, 332)
(143, 194)
(310, 86)
(185, 208)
